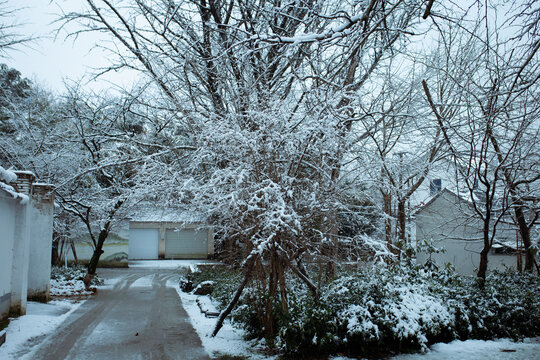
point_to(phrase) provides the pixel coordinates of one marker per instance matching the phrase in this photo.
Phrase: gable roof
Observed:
(435, 197)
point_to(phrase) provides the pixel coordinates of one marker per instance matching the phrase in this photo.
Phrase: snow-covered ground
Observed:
(229, 340)
(26, 331)
(108, 283)
(144, 282)
(503, 349)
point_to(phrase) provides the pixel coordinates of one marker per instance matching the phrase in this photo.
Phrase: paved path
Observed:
(139, 318)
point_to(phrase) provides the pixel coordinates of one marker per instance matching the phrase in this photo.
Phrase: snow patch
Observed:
(109, 283)
(502, 349)
(229, 340)
(144, 282)
(11, 191)
(27, 331)
(7, 176)
(68, 288)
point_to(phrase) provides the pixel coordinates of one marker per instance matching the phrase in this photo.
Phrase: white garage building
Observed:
(169, 240)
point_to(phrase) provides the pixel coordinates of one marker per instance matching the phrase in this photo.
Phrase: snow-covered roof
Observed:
(504, 244)
(432, 199)
(153, 213)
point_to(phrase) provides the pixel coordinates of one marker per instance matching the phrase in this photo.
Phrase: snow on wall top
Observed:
(42, 184)
(7, 176)
(11, 191)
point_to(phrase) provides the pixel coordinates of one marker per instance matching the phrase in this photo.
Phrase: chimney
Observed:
(24, 181)
(43, 193)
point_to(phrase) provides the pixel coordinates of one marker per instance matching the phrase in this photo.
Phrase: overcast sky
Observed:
(51, 58)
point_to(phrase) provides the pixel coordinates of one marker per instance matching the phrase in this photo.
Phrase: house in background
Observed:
(166, 239)
(447, 221)
(26, 224)
(154, 233)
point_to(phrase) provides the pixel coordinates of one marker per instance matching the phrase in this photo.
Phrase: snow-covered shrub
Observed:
(62, 273)
(225, 281)
(507, 306)
(379, 310)
(368, 312)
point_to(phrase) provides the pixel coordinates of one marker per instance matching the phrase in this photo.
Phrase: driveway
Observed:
(139, 317)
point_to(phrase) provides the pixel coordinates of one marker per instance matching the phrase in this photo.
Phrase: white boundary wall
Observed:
(26, 218)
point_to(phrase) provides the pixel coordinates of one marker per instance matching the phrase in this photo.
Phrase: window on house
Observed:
(435, 186)
(503, 249)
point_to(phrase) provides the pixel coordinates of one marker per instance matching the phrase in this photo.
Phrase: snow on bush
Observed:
(371, 310)
(377, 311)
(67, 282)
(68, 288)
(381, 310)
(407, 312)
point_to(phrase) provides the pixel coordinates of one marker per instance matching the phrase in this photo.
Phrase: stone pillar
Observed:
(21, 244)
(41, 232)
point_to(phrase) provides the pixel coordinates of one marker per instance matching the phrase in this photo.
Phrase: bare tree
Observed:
(9, 34)
(490, 125)
(267, 94)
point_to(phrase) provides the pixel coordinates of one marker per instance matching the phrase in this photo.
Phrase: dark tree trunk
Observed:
(74, 251)
(402, 224)
(482, 267)
(525, 233)
(235, 298)
(103, 234)
(402, 220)
(387, 203)
(331, 250)
(92, 265)
(55, 258)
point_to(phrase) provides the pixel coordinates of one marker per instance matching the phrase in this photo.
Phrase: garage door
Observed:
(143, 243)
(185, 243)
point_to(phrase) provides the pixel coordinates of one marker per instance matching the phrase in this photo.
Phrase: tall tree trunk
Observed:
(92, 265)
(55, 258)
(402, 225)
(283, 286)
(236, 297)
(387, 207)
(332, 249)
(525, 233)
(74, 251)
(268, 321)
(482, 267)
(103, 234)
